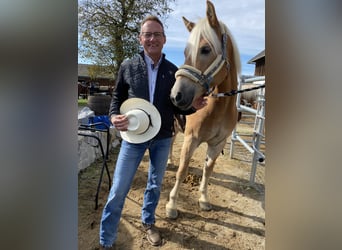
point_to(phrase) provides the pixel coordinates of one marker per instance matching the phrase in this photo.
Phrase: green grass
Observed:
(82, 102)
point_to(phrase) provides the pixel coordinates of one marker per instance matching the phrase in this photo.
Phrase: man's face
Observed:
(152, 39)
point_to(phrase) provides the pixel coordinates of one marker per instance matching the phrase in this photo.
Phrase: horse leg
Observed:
(170, 159)
(213, 153)
(186, 153)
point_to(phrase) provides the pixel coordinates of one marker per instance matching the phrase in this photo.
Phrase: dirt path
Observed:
(237, 220)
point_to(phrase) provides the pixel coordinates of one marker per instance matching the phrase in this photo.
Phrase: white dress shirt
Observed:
(152, 71)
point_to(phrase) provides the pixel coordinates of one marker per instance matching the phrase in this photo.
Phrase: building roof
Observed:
(257, 57)
(84, 72)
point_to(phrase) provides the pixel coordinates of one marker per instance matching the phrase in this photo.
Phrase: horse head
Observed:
(209, 59)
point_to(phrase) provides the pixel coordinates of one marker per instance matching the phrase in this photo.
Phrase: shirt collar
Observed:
(149, 61)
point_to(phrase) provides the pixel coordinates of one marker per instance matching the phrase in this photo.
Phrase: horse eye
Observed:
(205, 50)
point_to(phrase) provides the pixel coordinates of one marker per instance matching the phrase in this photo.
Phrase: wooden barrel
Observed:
(99, 104)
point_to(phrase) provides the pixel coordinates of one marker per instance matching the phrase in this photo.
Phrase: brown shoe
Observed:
(153, 235)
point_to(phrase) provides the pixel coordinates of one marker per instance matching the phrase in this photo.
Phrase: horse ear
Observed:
(189, 25)
(211, 16)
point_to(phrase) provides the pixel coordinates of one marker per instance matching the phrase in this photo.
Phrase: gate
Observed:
(253, 141)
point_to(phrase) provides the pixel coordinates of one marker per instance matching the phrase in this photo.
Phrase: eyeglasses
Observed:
(148, 35)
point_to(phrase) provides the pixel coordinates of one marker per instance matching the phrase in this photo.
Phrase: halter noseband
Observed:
(204, 79)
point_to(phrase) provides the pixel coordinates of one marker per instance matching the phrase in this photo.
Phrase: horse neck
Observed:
(231, 79)
(228, 83)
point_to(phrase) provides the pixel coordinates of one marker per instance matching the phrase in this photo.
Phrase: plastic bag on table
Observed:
(100, 118)
(84, 115)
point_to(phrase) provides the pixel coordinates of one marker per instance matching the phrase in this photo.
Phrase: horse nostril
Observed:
(178, 97)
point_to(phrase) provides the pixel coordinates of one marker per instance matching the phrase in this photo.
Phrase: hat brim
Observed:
(151, 110)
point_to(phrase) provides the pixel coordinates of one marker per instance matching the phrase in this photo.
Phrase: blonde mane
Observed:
(203, 30)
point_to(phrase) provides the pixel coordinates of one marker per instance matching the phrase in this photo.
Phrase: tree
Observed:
(109, 29)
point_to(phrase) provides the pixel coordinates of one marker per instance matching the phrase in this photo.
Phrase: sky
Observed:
(244, 18)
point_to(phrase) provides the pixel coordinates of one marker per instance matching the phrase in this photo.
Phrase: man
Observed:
(150, 76)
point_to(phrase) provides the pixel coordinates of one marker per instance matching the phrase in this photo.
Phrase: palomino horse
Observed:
(212, 66)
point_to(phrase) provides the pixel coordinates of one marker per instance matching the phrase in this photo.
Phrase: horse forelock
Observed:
(203, 30)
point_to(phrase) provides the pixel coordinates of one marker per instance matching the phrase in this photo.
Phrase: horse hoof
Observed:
(205, 206)
(171, 213)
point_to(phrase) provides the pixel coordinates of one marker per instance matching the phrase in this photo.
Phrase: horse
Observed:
(249, 98)
(212, 66)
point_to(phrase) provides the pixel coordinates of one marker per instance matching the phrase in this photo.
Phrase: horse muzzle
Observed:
(182, 95)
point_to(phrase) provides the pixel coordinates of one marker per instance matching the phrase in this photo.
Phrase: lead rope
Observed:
(235, 92)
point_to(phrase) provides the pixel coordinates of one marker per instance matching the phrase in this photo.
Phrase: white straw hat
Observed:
(144, 120)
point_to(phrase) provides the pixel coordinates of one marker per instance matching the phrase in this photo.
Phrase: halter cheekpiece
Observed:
(205, 78)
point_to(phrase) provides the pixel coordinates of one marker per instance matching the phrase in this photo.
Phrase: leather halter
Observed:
(205, 78)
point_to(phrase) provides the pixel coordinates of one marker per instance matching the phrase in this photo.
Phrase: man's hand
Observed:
(120, 122)
(200, 102)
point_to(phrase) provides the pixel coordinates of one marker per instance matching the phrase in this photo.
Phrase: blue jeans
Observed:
(128, 161)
